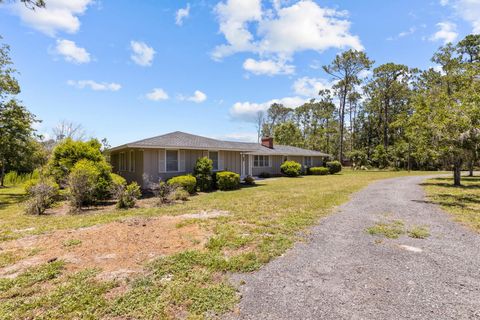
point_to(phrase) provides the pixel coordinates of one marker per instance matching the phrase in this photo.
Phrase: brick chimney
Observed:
(267, 142)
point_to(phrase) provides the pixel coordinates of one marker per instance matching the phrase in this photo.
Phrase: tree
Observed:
(66, 129)
(31, 4)
(289, 134)
(259, 122)
(277, 113)
(345, 69)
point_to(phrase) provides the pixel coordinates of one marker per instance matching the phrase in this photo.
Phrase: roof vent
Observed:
(267, 142)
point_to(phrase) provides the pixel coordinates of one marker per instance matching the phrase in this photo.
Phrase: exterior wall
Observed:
(137, 173)
(273, 169)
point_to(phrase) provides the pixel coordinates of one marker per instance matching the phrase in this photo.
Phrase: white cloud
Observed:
(247, 111)
(182, 14)
(142, 54)
(446, 33)
(198, 97)
(58, 15)
(71, 52)
(157, 94)
(469, 10)
(281, 31)
(268, 67)
(96, 86)
(239, 136)
(309, 87)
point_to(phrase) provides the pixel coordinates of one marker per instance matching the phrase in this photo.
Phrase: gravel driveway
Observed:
(341, 272)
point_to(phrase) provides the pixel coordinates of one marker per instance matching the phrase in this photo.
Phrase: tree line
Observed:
(398, 117)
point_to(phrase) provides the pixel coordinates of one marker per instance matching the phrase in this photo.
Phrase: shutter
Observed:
(161, 161)
(221, 162)
(181, 161)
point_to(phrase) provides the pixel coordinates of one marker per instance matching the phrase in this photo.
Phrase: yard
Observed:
(168, 262)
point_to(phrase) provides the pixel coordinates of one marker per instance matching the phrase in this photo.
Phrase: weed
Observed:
(391, 230)
(419, 232)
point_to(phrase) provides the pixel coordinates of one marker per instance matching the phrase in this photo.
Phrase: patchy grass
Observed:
(419, 232)
(264, 221)
(462, 202)
(71, 243)
(392, 230)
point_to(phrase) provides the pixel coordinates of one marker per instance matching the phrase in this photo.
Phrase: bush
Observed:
(117, 185)
(164, 192)
(128, 195)
(187, 182)
(319, 171)
(203, 174)
(42, 196)
(334, 166)
(14, 178)
(264, 175)
(227, 180)
(180, 194)
(249, 180)
(291, 168)
(83, 181)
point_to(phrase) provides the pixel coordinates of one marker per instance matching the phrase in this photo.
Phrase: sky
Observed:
(128, 70)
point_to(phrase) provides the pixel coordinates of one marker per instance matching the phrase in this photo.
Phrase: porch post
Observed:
(250, 161)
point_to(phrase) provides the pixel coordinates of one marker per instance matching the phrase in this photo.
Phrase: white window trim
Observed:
(218, 159)
(122, 165)
(131, 162)
(262, 155)
(178, 160)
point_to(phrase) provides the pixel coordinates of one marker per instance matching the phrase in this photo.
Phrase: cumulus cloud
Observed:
(96, 86)
(281, 31)
(71, 52)
(58, 15)
(267, 67)
(197, 97)
(247, 111)
(309, 87)
(182, 14)
(446, 32)
(142, 54)
(469, 10)
(157, 94)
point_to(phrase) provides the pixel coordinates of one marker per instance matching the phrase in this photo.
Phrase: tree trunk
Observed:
(470, 167)
(385, 126)
(457, 173)
(342, 118)
(2, 176)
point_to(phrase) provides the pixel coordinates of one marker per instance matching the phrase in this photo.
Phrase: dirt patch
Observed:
(205, 214)
(119, 249)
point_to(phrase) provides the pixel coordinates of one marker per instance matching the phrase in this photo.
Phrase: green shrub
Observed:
(264, 175)
(227, 180)
(334, 166)
(291, 168)
(117, 184)
(13, 178)
(42, 196)
(249, 180)
(82, 183)
(203, 174)
(319, 171)
(128, 195)
(187, 182)
(180, 194)
(164, 192)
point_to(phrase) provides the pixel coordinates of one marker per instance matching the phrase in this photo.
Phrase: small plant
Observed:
(249, 180)
(319, 171)
(227, 180)
(180, 194)
(42, 196)
(71, 243)
(117, 185)
(334, 167)
(203, 174)
(128, 196)
(187, 182)
(291, 168)
(264, 175)
(391, 230)
(419, 232)
(164, 192)
(81, 183)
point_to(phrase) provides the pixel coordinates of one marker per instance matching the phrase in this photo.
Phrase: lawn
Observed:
(462, 202)
(265, 220)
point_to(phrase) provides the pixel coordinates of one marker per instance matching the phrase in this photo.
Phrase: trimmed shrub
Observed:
(291, 168)
(187, 182)
(180, 194)
(264, 175)
(128, 196)
(227, 180)
(319, 171)
(42, 196)
(249, 180)
(203, 174)
(334, 166)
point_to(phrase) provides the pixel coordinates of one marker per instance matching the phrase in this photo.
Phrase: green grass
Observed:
(71, 242)
(392, 230)
(418, 232)
(265, 220)
(462, 202)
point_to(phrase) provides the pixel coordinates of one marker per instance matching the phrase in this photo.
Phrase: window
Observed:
(261, 161)
(307, 162)
(122, 162)
(213, 155)
(131, 161)
(172, 160)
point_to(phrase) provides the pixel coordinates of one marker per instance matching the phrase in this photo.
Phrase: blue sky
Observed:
(128, 70)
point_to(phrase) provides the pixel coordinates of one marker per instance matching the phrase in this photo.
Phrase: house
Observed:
(175, 153)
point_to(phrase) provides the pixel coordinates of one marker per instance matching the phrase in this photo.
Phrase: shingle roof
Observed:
(184, 140)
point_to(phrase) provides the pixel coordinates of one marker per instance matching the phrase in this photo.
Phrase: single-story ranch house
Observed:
(175, 153)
